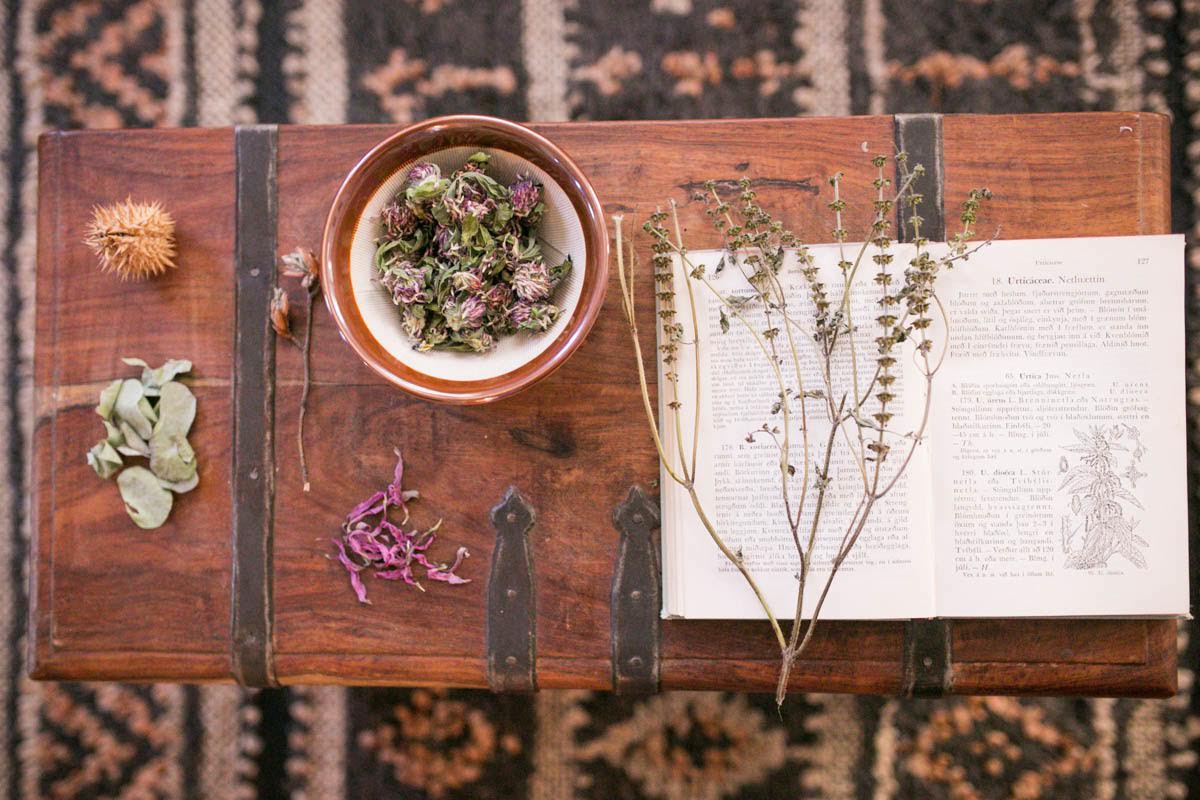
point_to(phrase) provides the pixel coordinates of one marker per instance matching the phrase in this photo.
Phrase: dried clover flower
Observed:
(135, 240)
(459, 255)
(372, 542)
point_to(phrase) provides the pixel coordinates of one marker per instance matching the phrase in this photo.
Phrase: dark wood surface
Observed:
(113, 602)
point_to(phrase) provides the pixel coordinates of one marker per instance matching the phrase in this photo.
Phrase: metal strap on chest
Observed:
(254, 408)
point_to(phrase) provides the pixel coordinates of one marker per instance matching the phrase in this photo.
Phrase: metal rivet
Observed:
(511, 593)
(511, 517)
(636, 594)
(927, 661)
(511, 661)
(637, 519)
(635, 661)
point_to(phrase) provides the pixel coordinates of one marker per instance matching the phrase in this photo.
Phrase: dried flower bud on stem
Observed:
(302, 264)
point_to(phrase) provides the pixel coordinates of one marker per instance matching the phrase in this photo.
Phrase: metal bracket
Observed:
(635, 597)
(511, 635)
(927, 658)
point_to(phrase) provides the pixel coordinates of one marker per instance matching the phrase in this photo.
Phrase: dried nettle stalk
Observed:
(859, 412)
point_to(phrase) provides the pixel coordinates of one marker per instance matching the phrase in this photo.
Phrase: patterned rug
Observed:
(112, 63)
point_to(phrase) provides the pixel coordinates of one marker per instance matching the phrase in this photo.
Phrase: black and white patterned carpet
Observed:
(114, 63)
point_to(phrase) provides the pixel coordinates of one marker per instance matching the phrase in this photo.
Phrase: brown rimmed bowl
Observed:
(364, 313)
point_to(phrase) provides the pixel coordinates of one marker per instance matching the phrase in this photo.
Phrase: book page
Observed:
(1059, 431)
(888, 574)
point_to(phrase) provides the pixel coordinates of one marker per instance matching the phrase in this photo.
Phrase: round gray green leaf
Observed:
(146, 501)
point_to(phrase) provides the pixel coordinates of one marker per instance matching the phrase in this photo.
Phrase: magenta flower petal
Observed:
(370, 541)
(353, 569)
(372, 505)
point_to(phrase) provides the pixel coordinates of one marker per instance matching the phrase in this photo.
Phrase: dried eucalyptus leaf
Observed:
(147, 409)
(155, 378)
(108, 399)
(114, 435)
(134, 445)
(180, 487)
(176, 410)
(136, 362)
(171, 370)
(104, 459)
(147, 503)
(128, 410)
(171, 457)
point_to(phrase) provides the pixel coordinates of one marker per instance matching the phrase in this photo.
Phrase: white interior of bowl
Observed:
(560, 233)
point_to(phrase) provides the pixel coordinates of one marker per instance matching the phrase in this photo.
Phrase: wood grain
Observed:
(101, 585)
(574, 443)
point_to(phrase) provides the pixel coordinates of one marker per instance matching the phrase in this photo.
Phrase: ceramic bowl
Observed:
(573, 224)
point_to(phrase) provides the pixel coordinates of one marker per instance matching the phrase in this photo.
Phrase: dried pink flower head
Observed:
(526, 194)
(531, 280)
(422, 172)
(518, 314)
(473, 309)
(498, 297)
(399, 219)
(467, 281)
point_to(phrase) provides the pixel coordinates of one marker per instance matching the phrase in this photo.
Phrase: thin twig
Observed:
(307, 351)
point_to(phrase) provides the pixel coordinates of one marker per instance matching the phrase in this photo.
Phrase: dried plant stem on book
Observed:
(846, 403)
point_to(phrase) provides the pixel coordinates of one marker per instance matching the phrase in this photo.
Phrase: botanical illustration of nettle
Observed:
(814, 412)
(1099, 499)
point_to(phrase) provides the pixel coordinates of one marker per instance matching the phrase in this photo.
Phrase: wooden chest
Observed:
(245, 589)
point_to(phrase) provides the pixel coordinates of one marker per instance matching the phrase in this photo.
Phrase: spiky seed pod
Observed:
(134, 240)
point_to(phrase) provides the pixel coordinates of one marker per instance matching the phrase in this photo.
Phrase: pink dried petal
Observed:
(403, 573)
(396, 495)
(445, 577)
(353, 569)
(386, 548)
(374, 504)
(437, 572)
(363, 544)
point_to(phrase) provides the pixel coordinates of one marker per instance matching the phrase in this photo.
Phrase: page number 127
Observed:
(1144, 260)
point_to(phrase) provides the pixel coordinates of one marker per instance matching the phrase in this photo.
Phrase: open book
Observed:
(1050, 479)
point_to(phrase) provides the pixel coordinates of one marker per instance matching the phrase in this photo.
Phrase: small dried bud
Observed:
(280, 310)
(303, 264)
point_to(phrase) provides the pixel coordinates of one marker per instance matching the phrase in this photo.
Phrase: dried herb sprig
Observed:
(757, 245)
(370, 542)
